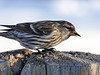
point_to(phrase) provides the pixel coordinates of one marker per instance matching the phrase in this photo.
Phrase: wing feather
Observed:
(41, 29)
(44, 27)
(37, 28)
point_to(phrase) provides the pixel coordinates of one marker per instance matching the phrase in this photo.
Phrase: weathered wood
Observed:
(4, 69)
(25, 62)
(63, 63)
(12, 62)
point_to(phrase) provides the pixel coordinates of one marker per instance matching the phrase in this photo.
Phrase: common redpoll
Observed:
(41, 34)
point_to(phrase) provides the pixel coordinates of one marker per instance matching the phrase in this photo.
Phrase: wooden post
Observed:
(12, 62)
(4, 69)
(25, 62)
(63, 63)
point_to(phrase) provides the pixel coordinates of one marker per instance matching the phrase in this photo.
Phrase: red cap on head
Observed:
(69, 24)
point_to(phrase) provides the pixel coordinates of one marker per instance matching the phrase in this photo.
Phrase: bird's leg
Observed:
(50, 49)
(39, 51)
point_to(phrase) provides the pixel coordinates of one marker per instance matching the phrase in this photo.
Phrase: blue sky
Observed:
(83, 14)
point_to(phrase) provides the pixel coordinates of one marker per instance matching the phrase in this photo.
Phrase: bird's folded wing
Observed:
(38, 28)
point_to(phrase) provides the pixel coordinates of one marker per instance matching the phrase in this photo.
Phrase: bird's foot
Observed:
(49, 50)
(40, 52)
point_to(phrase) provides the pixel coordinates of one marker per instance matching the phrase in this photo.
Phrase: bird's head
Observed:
(71, 28)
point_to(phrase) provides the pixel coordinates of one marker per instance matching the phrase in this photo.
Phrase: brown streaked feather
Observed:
(39, 35)
(44, 28)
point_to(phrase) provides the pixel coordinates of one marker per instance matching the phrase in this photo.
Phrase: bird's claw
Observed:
(49, 50)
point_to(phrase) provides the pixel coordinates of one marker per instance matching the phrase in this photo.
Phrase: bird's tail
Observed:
(7, 35)
(5, 32)
(8, 26)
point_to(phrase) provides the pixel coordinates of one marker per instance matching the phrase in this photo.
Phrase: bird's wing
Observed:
(37, 28)
(43, 29)
(24, 27)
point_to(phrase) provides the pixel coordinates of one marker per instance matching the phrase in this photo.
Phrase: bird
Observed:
(40, 34)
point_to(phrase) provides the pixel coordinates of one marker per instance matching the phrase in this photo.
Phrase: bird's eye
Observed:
(69, 28)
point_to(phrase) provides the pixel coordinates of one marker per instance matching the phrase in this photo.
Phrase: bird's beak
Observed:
(75, 34)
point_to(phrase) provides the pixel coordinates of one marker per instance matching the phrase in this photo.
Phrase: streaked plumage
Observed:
(41, 34)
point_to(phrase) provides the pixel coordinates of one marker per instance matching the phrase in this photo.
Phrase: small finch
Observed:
(41, 34)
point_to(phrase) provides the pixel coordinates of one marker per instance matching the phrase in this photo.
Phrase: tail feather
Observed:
(9, 26)
(5, 29)
(7, 35)
(4, 34)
